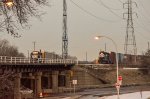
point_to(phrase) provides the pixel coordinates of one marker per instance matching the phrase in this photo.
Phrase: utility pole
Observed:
(148, 46)
(28, 54)
(86, 57)
(65, 36)
(130, 42)
(105, 47)
(34, 45)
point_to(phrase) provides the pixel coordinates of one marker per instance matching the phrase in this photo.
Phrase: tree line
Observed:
(6, 49)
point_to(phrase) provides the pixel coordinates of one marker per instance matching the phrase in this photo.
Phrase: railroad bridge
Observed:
(21, 64)
(37, 75)
(52, 75)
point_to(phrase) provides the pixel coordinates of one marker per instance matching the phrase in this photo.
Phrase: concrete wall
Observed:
(86, 80)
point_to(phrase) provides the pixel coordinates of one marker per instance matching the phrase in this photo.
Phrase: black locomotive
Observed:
(104, 58)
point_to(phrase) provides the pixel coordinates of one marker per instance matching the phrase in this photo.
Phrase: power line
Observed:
(101, 2)
(120, 1)
(146, 18)
(143, 27)
(143, 7)
(141, 35)
(105, 5)
(144, 11)
(91, 14)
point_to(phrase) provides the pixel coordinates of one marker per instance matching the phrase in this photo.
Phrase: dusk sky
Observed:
(86, 19)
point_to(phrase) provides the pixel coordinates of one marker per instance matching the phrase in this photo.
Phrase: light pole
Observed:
(98, 37)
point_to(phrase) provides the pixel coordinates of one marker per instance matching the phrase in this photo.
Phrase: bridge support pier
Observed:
(17, 94)
(55, 81)
(32, 79)
(38, 88)
(149, 71)
(49, 81)
(68, 79)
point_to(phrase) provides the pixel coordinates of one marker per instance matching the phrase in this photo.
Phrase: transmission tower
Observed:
(65, 36)
(130, 42)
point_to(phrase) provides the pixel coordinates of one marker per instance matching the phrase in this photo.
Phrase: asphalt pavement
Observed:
(100, 92)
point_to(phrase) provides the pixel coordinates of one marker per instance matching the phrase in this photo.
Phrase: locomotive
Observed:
(104, 58)
(37, 56)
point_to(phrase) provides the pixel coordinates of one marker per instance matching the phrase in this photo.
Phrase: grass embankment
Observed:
(129, 76)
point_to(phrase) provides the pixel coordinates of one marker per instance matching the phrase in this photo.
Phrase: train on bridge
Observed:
(42, 56)
(36, 55)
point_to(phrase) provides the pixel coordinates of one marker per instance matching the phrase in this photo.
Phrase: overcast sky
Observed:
(86, 19)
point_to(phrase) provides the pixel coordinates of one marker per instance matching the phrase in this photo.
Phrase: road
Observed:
(94, 93)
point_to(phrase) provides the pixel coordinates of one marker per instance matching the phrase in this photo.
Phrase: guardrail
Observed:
(15, 60)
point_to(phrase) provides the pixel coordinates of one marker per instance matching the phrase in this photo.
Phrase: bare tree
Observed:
(7, 77)
(146, 59)
(7, 84)
(6, 81)
(9, 50)
(18, 15)
(147, 53)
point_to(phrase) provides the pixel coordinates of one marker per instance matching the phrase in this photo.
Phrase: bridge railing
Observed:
(7, 59)
(47, 60)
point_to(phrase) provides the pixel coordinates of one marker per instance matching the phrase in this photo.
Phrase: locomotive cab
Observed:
(36, 56)
(104, 58)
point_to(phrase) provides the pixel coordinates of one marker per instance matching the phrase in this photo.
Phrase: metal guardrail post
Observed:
(59, 61)
(53, 60)
(67, 61)
(1, 59)
(15, 60)
(28, 60)
(38, 60)
(20, 60)
(24, 60)
(5, 59)
(10, 59)
(56, 60)
(49, 60)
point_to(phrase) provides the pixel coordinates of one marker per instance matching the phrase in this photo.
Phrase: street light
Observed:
(98, 37)
(8, 3)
